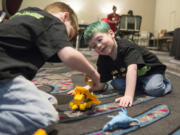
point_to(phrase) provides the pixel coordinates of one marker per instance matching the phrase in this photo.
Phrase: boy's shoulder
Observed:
(125, 43)
(31, 9)
(35, 13)
(35, 9)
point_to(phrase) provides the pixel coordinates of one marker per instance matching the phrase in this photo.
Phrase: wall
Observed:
(167, 15)
(92, 10)
(0, 4)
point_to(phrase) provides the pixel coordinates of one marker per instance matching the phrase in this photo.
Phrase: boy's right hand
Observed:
(95, 80)
(94, 86)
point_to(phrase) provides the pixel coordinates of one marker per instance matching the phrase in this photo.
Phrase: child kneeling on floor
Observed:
(27, 40)
(126, 64)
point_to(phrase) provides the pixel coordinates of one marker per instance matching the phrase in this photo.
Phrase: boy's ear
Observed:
(111, 32)
(64, 16)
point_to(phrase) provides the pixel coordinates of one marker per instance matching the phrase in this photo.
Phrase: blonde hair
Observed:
(63, 7)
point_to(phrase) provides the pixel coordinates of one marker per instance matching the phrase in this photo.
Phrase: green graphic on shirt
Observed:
(122, 69)
(114, 72)
(143, 70)
(120, 73)
(33, 14)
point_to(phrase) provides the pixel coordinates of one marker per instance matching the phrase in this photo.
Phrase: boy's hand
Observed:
(70, 92)
(125, 101)
(95, 86)
(93, 81)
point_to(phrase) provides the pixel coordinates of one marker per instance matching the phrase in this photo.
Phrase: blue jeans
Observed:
(154, 85)
(24, 108)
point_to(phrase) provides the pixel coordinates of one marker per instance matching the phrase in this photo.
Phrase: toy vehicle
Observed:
(40, 132)
(83, 99)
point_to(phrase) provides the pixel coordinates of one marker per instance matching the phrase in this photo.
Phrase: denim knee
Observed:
(24, 108)
(156, 89)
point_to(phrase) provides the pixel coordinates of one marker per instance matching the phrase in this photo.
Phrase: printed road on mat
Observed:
(69, 115)
(150, 116)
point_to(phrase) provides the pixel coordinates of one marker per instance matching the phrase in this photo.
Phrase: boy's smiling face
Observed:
(103, 43)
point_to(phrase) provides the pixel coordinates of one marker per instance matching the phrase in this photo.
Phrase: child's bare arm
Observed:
(131, 78)
(77, 61)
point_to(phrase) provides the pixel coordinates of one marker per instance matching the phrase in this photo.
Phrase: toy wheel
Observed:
(89, 104)
(71, 104)
(74, 107)
(82, 106)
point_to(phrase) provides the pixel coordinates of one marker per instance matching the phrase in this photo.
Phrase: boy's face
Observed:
(103, 43)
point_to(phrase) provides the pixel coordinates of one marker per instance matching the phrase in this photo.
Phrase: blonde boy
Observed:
(27, 40)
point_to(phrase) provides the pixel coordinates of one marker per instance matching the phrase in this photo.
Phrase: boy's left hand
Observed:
(125, 101)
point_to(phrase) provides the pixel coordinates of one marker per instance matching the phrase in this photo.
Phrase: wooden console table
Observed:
(159, 42)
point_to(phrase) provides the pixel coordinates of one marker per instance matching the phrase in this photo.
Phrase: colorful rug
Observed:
(69, 115)
(54, 82)
(146, 118)
(92, 123)
(58, 82)
(49, 80)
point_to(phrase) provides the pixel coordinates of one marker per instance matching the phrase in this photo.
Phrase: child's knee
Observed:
(23, 122)
(156, 89)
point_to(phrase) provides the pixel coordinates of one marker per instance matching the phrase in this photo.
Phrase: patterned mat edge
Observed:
(133, 128)
(101, 113)
(176, 131)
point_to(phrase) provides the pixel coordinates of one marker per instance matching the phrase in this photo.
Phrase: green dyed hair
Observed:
(93, 28)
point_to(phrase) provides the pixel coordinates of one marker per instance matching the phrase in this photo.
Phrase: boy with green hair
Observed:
(27, 40)
(126, 64)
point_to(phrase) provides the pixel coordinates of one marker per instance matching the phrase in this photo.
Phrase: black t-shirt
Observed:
(29, 39)
(128, 53)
